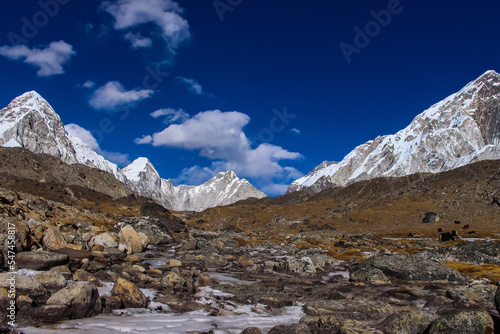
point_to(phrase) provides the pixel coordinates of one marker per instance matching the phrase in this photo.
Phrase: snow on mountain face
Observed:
(461, 129)
(30, 122)
(86, 156)
(225, 188)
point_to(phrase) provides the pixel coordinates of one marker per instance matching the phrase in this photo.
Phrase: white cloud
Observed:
(49, 60)
(192, 85)
(88, 84)
(77, 131)
(171, 115)
(87, 138)
(137, 41)
(144, 140)
(164, 14)
(295, 131)
(219, 136)
(113, 95)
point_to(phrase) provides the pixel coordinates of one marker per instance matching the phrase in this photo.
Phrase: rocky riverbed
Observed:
(154, 274)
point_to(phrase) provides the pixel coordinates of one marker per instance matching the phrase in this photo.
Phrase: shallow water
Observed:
(145, 321)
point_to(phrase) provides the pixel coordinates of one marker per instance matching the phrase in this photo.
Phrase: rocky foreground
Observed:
(157, 264)
(344, 284)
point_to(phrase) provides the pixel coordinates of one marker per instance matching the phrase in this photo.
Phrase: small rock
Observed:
(175, 263)
(53, 239)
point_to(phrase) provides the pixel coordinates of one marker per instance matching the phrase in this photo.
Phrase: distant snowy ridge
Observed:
(225, 188)
(461, 129)
(30, 122)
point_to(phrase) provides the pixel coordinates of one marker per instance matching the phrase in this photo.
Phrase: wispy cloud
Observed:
(137, 41)
(171, 115)
(87, 138)
(192, 85)
(295, 131)
(165, 15)
(88, 84)
(49, 60)
(219, 136)
(113, 95)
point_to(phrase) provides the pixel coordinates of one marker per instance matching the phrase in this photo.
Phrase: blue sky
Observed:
(269, 89)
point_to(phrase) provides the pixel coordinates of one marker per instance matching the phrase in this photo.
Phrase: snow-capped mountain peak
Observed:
(223, 189)
(463, 128)
(30, 122)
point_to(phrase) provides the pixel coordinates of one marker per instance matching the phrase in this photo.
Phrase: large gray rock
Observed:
(157, 232)
(359, 309)
(366, 273)
(78, 301)
(406, 323)
(40, 260)
(406, 267)
(27, 286)
(477, 253)
(463, 322)
(130, 295)
(52, 281)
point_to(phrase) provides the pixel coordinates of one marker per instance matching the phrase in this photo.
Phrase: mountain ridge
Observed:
(461, 129)
(29, 121)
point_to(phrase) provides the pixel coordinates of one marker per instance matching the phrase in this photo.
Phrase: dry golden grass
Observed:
(489, 271)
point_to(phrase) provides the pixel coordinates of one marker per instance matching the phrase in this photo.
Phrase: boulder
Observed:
(27, 286)
(430, 217)
(351, 326)
(301, 265)
(53, 239)
(359, 309)
(40, 260)
(76, 257)
(477, 253)
(157, 233)
(463, 322)
(297, 329)
(366, 273)
(78, 301)
(105, 240)
(406, 267)
(252, 330)
(406, 323)
(84, 276)
(52, 281)
(130, 295)
(474, 294)
(130, 239)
